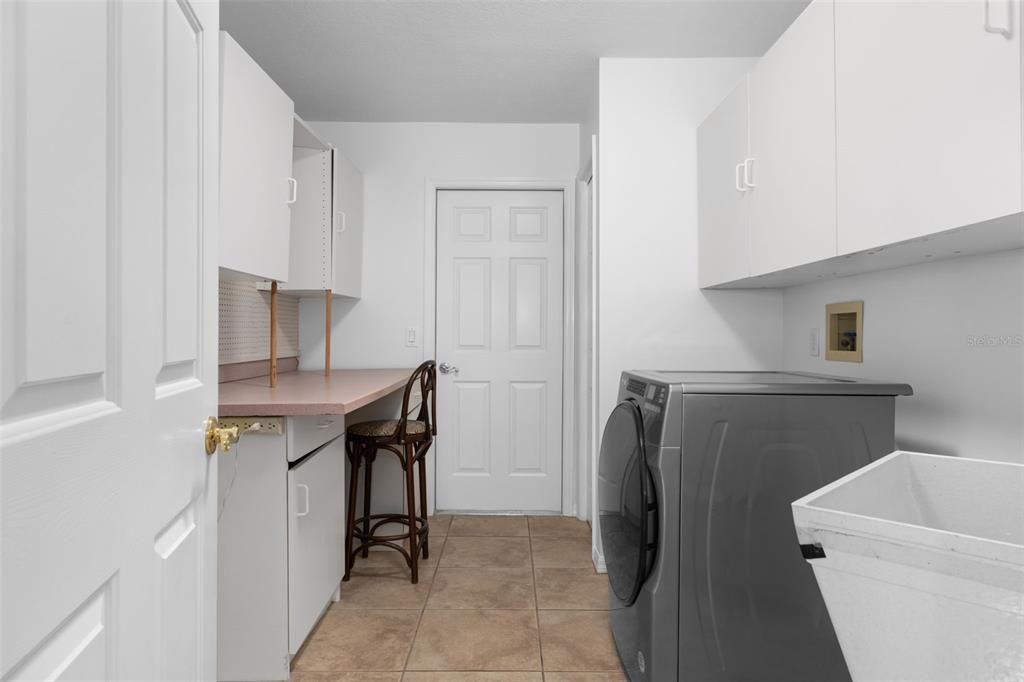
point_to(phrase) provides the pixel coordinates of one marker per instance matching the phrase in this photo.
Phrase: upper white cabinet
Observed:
(311, 227)
(256, 184)
(929, 117)
(792, 146)
(868, 124)
(327, 219)
(766, 160)
(348, 228)
(723, 205)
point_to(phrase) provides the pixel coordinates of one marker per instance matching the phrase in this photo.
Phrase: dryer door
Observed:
(627, 507)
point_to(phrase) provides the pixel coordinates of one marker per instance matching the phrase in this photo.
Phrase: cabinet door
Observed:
(311, 266)
(929, 117)
(723, 199)
(255, 167)
(348, 228)
(316, 537)
(792, 142)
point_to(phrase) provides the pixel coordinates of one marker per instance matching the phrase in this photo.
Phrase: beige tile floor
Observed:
(501, 599)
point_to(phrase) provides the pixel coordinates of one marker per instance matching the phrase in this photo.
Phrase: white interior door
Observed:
(499, 322)
(108, 142)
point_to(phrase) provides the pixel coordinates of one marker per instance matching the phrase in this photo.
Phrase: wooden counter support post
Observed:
(273, 334)
(327, 332)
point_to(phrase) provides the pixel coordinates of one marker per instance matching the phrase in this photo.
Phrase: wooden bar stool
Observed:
(409, 440)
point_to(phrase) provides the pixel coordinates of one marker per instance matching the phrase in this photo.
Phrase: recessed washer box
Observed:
(844, 331)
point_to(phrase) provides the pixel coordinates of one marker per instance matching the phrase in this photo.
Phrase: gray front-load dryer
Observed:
(696, 474)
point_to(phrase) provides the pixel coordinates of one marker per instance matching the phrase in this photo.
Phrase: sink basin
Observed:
(920, 560)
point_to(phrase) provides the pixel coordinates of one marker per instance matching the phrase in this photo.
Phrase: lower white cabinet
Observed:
(316, 535)
(281, 537)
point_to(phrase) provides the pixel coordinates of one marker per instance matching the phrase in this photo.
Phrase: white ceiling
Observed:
(527, 61)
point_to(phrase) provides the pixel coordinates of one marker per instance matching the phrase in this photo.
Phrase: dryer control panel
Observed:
(652, 398)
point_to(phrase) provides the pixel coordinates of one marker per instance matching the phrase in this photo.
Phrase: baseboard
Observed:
(598, 559)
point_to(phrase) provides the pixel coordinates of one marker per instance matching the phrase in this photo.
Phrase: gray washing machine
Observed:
(695, 479)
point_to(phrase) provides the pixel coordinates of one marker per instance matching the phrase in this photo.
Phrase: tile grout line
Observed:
(536, 600)
(423, 608)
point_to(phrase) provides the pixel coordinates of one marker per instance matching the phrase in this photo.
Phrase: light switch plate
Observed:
(814, 349)
(412, 337)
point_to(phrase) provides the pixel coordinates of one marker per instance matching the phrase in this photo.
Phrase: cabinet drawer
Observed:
(316, 538)
(307, 433)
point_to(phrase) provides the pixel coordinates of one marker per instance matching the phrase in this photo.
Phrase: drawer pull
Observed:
(324, 424)
(305, 506)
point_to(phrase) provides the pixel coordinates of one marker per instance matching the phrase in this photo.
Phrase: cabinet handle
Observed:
(305, 506)
(1005, 32)
(748, 173)
(325, 423)
(340, 225)
(737, 180)
(293, 195)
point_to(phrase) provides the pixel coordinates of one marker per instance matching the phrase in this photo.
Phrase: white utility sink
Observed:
(923, 566)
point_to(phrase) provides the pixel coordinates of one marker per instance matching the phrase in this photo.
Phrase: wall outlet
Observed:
(814, 347)
(412, 337)
(267, 425)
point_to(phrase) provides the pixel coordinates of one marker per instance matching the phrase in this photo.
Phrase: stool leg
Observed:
(423, 499)
(366, 500)
(353, 488)
(410, 497)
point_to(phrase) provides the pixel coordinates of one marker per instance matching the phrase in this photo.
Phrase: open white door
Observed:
(108, 161)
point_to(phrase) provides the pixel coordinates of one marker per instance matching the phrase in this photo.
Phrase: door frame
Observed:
(568, 188)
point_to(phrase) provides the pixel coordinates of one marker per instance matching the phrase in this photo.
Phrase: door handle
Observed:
(748, 173)
(989, 27)
(219, 436)
(340, 225)
(305, 505)
(445, 368)
(736, 179)
(293, 193)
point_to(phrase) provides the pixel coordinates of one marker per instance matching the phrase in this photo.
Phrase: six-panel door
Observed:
(108, 306)
(499, 322)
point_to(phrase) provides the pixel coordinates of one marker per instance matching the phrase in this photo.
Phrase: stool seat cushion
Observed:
(386, 428)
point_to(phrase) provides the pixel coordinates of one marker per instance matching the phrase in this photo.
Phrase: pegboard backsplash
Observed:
(245, 322)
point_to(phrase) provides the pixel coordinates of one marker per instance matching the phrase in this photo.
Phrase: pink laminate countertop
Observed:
(298, 393)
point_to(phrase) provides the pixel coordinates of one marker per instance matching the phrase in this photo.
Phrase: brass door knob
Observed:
(217, 435)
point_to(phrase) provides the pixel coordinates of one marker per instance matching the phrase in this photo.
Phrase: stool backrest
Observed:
(426, 376)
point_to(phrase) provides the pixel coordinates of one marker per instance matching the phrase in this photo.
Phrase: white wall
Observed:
(953, 330)
(588, 123)
(652, 314)
(396, 160)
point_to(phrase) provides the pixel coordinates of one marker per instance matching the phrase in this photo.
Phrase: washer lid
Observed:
(772, 383)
